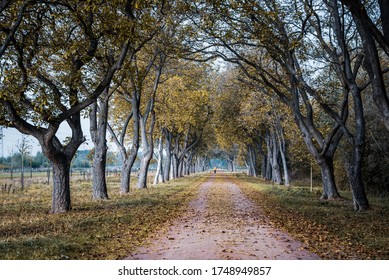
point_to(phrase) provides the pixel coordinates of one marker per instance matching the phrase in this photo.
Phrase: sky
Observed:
(13, 136)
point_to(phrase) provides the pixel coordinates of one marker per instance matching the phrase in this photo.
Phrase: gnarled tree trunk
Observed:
(159, 172)
(128, 157)
(98, 130)
(147, 148)
(275, 154)
(61, 184)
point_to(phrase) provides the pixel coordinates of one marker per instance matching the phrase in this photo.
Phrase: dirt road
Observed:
(221, 224)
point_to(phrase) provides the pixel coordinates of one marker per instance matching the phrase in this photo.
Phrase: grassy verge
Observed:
(92, 230)
(329, 228)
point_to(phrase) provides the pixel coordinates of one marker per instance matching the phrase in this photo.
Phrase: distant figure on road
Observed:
(214, 170)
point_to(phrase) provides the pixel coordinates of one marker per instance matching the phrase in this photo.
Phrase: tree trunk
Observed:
(147, 147)
(125, 176)
(275, 165)
(22, 173)
(159, 173)
(347, 74)
(354, 174)
(98, 131)
(233, 165)
(180, 168)
(326, 160)
(174, 167)
(269, 172)
(168, 158)
(143, 171)
(263, 157)
(61, 184)
(328, 179)
(285, 167)
(128, 157)
(12, 168)
(186, 167)
(282, 145)
(253, 158)
(246, 163)
(188, 163)
(99, 165)
(175, 158)
(372, 66)
(354, 168)
(250, 161)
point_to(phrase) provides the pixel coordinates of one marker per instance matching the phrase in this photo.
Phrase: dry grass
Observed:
(329, 228)
(92, 230)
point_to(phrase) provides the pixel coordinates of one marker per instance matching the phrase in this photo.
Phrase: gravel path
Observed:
(221, 224)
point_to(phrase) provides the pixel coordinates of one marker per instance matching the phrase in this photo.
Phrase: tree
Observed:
(58, 45)
(98, 130)
(12, 14)
(159, 174)
(24, 148)
(347, 71)
(263, 38)
(182, 111)
(370, 35)
(243, 117)
(147, 135)
(128, 107)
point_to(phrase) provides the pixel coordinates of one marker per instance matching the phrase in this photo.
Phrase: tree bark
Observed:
(128, 157)
(168, 157)
(262, 156)
(159, 172)
(61, 184)
(275, 157)
(253, 158)
(147, 147)
(250, 161)
(269, 172)
(180, 171)
(354, 167)
(282, 145)
(175, 158)
(125, 176)
(347, 74)
(330, 190)
(186, 165)
(98, 131)
(373, 68)
(174, 166)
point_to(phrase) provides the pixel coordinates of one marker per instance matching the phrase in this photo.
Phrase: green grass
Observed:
(92, 230)
(332, 229)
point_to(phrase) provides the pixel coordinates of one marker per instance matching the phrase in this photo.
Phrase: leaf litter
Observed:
(222, 223)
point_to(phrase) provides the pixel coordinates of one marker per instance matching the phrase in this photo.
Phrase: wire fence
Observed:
(14, 180)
